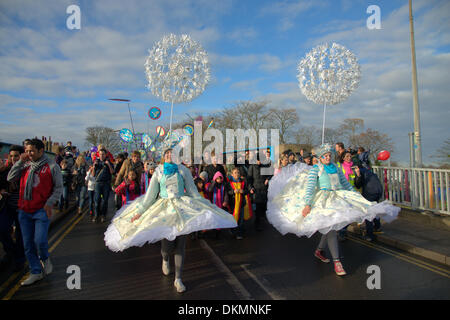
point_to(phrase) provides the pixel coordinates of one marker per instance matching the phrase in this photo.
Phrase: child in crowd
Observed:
(149, 170)
(129, 189)
(67, 181)
(194, 170)
(204, 176)
(238, 193)
(218, 190)
(201, 187)
(90, 187)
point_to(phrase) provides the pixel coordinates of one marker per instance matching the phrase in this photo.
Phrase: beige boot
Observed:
(32, 279)
(179, 285)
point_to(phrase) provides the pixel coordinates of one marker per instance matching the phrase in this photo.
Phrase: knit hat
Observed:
(324, 148)
(204, 175)
(217, 175)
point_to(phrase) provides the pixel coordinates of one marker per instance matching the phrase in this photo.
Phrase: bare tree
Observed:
(375, 142)
(228, 118)
(443, 153)
(254, 115)
(283, 119)
(349, 129)
(307, 136)
(100, 135)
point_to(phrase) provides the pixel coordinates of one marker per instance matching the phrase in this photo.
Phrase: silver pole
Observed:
(323, 124)
(132, 127)
(412, 161)
(418, 150)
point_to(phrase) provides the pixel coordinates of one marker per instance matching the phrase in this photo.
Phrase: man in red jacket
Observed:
(40, 187)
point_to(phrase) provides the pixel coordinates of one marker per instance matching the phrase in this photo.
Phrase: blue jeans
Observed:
(81, 193)
(239, 230)
(64, 197)
(91, 201)
(101, 196)
(34, 233)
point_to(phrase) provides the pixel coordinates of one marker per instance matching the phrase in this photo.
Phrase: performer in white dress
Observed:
(319, 198)
(171, 209)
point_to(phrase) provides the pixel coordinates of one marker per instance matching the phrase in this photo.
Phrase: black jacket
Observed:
(67, 176)
(102, 173)
(80, 177)
(211, 171)
(372, 189)
(256, 181)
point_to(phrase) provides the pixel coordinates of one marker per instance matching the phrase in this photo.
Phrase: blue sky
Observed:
(55, 81)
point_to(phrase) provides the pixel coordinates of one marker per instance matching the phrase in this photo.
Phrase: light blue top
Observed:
(318, 177)
(169, 186)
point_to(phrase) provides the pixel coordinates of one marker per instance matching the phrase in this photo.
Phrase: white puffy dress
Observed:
(334, 202)
(171, 207)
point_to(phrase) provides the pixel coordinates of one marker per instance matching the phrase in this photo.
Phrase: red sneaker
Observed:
(319, 255)
(339, 269)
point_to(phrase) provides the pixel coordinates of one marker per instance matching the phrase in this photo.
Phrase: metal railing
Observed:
(417, 188)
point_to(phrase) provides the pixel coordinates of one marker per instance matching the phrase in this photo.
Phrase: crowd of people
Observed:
(32, 186)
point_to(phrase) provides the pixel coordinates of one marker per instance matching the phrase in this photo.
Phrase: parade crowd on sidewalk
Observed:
(33, 187)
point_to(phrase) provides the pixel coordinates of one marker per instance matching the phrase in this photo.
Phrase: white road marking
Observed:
(273, 295)
(237, 286)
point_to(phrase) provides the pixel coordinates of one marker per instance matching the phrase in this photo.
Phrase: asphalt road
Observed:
(263, 266)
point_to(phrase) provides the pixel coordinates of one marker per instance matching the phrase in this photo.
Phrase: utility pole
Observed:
(417, 136)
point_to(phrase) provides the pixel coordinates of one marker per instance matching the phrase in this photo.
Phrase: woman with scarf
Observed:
(345, 164)
(170, 209)
(347, 167)
(321, 199)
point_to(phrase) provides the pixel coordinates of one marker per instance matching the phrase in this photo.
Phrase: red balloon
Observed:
(383, 155)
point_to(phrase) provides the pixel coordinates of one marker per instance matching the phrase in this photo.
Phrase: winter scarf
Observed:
(170, 168)
(34, 167)
(330, 168)
(347, 168)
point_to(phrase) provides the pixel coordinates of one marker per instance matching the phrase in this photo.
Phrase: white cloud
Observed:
(288, 11)
(243, 36)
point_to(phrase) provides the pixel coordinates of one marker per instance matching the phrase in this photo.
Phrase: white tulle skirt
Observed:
(330, 210)
(279, 181)
(167, 218)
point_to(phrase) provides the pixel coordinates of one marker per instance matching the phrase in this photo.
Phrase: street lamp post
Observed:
(417, 136)
(129, 111)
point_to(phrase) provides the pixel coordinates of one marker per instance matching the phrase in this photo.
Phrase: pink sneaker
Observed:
(319, 255)
(339, 269)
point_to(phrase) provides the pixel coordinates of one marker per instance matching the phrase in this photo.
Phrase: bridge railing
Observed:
(417, 188)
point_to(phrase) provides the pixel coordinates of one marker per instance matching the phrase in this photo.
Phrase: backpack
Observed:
(364, 160)
(372, 188)
(70, 160)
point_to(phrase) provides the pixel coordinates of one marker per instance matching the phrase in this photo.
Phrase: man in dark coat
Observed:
(215, 167)
(258, 185)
